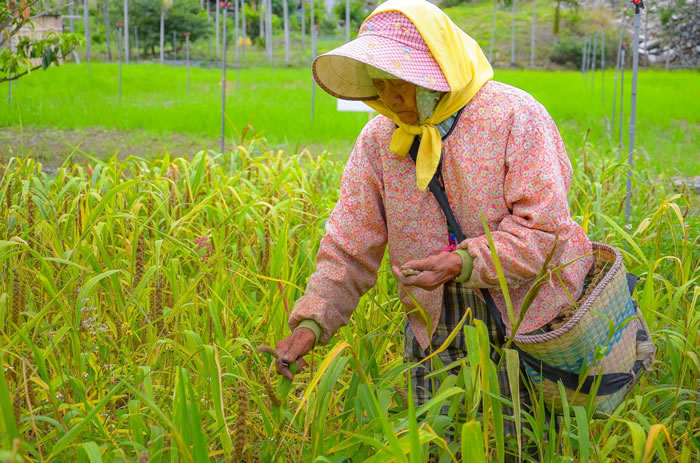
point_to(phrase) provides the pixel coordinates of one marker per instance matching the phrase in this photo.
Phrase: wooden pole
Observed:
(126, 31)
(493, 31)
(119, 29)
(313, 56)
(136, 43)
(512, 35)
(187, 59)
(602, 61)
(216, 25)
(285, 9)
(347, 20)
(236, 18)
(244, 29)
(162, 34)
(303, 26)
(617, 70)
(261, 8)
(268, 31)
(71, 24)
(622, 95)
(593, 58)
(633, 107)
(532, 34)
(108, 32)
(86, 22)
(209, 27)
(224, 5)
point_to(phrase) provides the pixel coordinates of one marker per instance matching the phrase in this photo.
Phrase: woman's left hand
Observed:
(435, 270)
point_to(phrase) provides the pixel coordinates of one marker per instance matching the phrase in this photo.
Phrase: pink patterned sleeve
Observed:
(352, 249)
(537, 178)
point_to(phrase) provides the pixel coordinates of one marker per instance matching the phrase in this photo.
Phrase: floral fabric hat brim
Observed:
(388, 41)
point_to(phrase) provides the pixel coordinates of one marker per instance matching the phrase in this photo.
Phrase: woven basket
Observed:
(572, 346)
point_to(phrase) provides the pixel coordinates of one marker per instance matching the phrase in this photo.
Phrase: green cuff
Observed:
(313, 326)
(467, 265)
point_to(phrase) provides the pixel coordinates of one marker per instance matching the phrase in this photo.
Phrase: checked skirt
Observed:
(457, 299)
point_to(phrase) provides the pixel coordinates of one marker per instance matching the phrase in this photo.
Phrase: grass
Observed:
(135, 292)
(276, 102)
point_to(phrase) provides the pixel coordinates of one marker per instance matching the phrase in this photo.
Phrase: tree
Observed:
(358, 13)
(16, 60)
(182, 16)
(557, 16)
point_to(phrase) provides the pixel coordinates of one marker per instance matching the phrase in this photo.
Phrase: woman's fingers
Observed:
(283, 369)
(292, 349)
(427, 279)
(422, 264)
(431, 262)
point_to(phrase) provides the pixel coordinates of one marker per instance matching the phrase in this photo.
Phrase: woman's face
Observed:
(400, 97)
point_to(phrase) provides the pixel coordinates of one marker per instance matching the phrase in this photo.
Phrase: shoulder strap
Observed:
(438, 191)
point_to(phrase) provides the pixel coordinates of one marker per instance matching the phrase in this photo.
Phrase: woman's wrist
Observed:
(454, 265)
(466, 265)
(313, 326)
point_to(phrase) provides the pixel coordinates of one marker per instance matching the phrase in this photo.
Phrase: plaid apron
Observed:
(457, 299)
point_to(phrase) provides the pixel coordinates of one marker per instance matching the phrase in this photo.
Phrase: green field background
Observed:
(276, 102)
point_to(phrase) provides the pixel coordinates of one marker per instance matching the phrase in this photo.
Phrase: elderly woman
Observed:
(497, 154)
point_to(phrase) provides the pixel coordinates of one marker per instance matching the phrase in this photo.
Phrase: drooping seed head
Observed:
(139, 263)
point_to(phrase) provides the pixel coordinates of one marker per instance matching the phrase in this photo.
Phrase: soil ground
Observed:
(52, 146)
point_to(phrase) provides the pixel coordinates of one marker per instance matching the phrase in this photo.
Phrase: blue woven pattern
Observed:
(586, 348)
(590, 332)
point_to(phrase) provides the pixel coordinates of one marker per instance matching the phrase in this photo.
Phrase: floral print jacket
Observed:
(504, 161)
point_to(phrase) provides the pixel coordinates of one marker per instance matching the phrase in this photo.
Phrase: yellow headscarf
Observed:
(466, 70)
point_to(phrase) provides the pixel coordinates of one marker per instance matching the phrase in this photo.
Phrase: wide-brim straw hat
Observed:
(387, 41)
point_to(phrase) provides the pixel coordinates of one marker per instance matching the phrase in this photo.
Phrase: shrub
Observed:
(568, 52)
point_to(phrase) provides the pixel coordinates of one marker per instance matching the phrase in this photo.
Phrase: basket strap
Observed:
(632, 280)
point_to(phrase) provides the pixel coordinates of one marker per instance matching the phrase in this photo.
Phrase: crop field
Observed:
(136, 291)
(276, 103)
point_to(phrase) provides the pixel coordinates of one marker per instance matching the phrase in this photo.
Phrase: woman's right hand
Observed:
(292, 349)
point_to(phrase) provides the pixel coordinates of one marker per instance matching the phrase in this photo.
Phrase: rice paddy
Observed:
(136, 293)
(276, 103)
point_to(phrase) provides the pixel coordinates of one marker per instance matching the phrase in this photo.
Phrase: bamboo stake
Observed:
(585, 56)
(119, 30)
(244, 30)
(162, 34)
(532, 34)
(493, 32)
(617, 69)
(593, 58)
(86, 22)
(602, 61)
(223, 5)
(126, 31)
(622, 93)
(347, 20)
(216, 25)
(285, 10)
(512, 36)
(236, 17)
(187, 59)
(638, 6)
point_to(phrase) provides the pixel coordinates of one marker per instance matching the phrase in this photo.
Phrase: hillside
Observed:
(476, 19)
